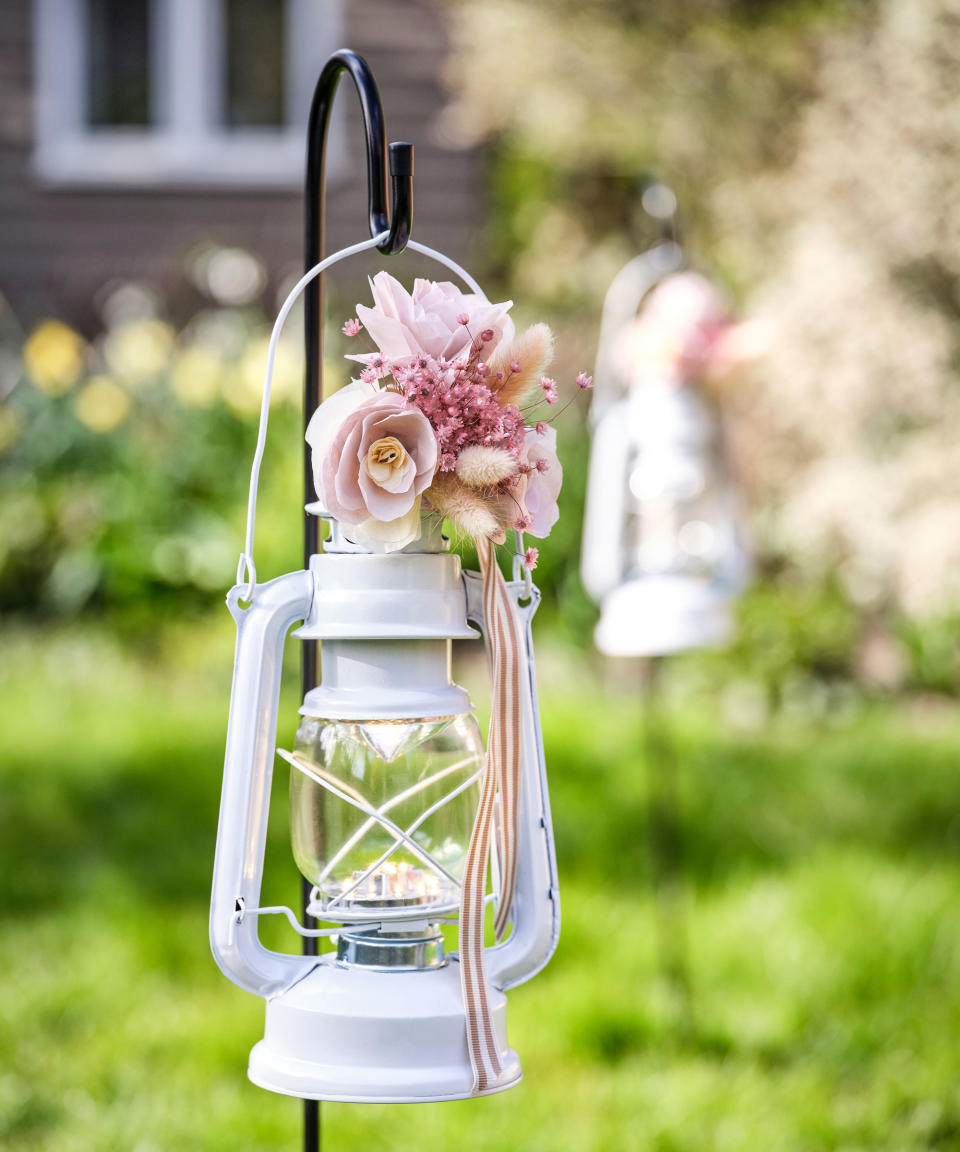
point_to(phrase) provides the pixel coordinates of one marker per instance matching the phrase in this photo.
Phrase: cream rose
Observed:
(377, 464)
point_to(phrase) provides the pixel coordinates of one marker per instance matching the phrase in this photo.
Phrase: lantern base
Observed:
(363, 1036)
(659, 615)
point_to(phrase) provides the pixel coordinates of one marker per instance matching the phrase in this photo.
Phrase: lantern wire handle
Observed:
(246, 569)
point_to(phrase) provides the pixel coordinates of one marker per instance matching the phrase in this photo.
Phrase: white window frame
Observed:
(187, 146)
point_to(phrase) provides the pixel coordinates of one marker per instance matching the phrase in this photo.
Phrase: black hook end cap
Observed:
(401, 158)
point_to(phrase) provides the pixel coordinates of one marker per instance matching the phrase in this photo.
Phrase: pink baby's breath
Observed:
(463, 319)
(522, 523)
(460, 407)
(541, 428)
(530, 558)
(352, 327)
(584, 381)
(549, 387)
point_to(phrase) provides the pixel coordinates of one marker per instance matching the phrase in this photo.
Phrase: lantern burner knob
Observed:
(391, 949)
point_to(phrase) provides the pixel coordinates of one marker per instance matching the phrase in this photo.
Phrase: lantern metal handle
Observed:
(251, 735)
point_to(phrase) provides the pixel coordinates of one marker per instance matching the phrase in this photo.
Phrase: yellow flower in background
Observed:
(242, 385)
(195, 378)
(138, 351)
(102, 404)
(53, 357)
(10, 425)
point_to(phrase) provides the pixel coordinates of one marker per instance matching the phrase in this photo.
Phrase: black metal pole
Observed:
(397, 224)
(666, 846)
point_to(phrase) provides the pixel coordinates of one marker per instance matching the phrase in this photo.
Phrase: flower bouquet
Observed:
(447, 418)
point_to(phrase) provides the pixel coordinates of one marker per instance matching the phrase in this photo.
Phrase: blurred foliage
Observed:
(123, 471)
(812, 147)
(706, 92)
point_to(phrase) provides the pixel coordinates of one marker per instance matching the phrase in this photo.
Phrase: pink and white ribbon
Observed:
(501, 779)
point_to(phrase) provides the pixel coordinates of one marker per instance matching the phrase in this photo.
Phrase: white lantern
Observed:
(662, 548)
(386, 772)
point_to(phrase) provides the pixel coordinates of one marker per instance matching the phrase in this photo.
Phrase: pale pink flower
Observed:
(329, 417)
(381, 459)
(530, 558)
(352, 327)
(584, 381)
(428, 321)
(532, 494)
(541, 428)
(541, 487)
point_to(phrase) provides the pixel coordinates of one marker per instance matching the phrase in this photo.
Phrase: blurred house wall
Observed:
(60, 244)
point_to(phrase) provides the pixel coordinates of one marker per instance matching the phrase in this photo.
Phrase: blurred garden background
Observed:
(761, 884)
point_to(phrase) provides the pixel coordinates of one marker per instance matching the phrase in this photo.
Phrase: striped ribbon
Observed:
(500, 782)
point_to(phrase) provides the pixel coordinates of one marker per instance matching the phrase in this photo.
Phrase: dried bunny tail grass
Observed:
(481, 467)
(465, 507)
(533, 351)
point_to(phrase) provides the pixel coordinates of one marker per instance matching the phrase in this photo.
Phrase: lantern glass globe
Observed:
(382, 811)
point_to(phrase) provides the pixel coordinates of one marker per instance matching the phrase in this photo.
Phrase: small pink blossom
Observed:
(352, 327)
(549, 387)
(530, 558)
(542, 465)
(541, 428)
(522, 523)
(514, 366)
(584, 381)
(487, 335)
(463, 319)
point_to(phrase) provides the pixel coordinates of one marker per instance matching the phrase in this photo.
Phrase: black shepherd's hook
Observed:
(395, 219)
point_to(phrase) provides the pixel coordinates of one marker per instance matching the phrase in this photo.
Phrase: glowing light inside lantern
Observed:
(391, 885)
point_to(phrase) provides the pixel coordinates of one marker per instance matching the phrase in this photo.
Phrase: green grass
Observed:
(818, 920)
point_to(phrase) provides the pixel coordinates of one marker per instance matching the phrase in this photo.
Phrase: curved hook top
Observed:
(396, 223)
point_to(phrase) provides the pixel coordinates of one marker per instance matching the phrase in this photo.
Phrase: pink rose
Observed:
(531, 502)
(380, 460)
(543, 482)
(430, 320)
